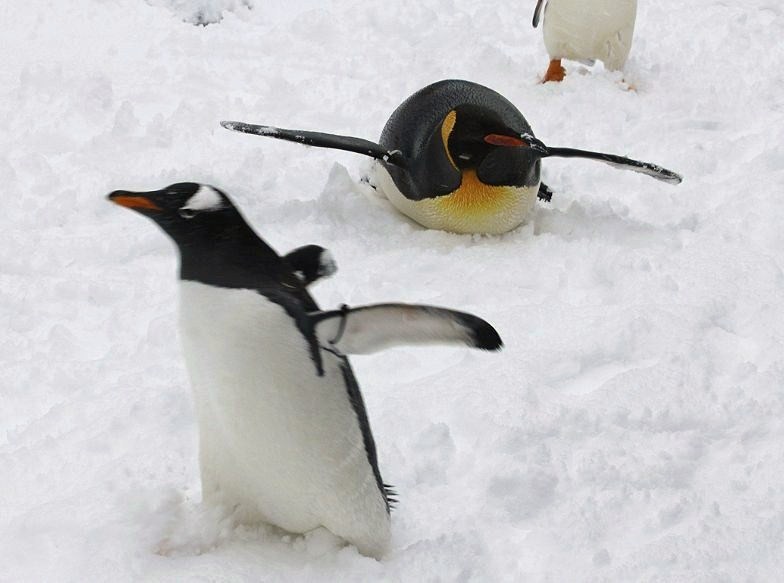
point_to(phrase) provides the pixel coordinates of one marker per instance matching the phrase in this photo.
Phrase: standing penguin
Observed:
(586, 30)
(457, 156)
(284, 437)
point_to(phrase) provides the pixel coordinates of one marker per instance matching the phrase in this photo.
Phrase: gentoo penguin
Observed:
(586, 30)
(457, 156)
(284, 437)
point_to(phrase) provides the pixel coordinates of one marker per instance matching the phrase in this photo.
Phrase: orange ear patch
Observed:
(501, 140)
(140, 202)
(446, 130)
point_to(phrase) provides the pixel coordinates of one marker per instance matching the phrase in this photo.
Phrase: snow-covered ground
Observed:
(632, 429)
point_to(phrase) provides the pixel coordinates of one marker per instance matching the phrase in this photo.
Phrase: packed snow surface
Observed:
(631, 430)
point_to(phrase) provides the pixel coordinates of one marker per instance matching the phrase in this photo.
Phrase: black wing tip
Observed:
(488, 339)
(484, 336)
(235, 126)
(671, 177)
(655, 171)
(537, 14)
(249, 128)
(661, 173)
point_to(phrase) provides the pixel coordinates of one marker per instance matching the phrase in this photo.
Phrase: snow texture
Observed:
(632, 428)
(202, 12)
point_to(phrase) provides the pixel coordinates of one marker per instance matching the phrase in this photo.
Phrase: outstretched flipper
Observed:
(652, 170)
(538, 12)
(311, 263)
(545, 192)
(320, 140)
(369, 329)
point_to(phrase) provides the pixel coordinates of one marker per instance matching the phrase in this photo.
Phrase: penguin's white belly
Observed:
(276, 441)
(472, 208)
(590, 29)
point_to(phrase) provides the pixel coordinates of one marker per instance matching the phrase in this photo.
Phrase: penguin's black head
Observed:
(185, 211)
(476, 138)
(216, 245)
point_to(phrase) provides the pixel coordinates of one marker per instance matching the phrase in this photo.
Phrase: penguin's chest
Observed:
(473, 208)
(273, 434)
(590, 29)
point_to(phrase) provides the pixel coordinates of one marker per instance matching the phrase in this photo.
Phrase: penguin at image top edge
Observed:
(586, 30)
(284, 437)
(457, 156)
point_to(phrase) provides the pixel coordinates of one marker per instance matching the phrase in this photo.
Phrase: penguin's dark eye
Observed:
(187, 213)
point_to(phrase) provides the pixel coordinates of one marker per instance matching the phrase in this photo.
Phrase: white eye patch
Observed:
(205, 199)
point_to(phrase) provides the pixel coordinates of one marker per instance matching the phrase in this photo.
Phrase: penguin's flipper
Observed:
(652, 170)
(545, 192)
(311, 263)
(320, 140)
(538, 12)
(369, 329)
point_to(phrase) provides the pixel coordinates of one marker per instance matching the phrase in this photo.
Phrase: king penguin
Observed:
(457, 156)
(586, 30)
(284, 437)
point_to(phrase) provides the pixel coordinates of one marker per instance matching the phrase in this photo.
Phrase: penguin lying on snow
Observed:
(459, 157)
(586, 30)
(283, 433)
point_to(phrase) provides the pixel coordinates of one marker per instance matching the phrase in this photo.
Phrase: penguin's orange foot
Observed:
(555, 72)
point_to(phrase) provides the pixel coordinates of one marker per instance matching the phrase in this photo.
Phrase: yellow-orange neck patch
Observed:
(473, 208)
(474, 197)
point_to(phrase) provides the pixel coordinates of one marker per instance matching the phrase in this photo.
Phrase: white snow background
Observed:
(631, 430)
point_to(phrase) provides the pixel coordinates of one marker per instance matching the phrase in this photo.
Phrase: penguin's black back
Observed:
(414, 120)
(410, 126)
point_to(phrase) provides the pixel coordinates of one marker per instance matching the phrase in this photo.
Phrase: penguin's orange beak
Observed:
(502, 140)
(133, 201)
